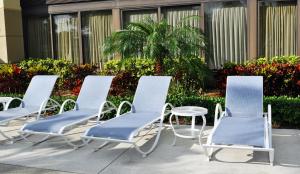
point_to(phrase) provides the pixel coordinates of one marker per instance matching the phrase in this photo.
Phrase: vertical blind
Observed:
(138, 16)
(177, 15)
(227, 30)
(278, 30)
(96, 27)
(66, 38)
(38, 37)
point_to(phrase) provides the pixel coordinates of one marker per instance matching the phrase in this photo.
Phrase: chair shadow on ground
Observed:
(287, 147)
(287, 151)
(53, 142)
(57, 155)
(285, 142)
(164, 152)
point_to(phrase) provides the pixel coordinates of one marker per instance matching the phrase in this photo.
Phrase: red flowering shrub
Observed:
(279, 78)
(77, 75)
(124, 83)
(127, 73)
(15, 78)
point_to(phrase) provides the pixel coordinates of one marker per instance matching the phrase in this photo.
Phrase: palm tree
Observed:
(157, 40)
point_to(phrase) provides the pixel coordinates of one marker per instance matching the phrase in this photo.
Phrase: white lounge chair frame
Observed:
(46, 105)
(104, 108)
(160, 125)
(219, 113)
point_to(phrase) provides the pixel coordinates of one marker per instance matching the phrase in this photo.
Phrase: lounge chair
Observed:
(35, 101)
(91, 103)
(242, 125)
(148, 107)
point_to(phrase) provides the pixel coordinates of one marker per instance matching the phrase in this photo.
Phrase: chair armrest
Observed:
(219, 113)
(104, 108)
(268, 126)
(166, 111)
(53, 104)
(121, 106)
(42, 107)
(45, 107)
(65, 102)
(270, 114)
(11, 100)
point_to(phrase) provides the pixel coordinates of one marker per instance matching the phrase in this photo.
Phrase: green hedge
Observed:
(285, 110)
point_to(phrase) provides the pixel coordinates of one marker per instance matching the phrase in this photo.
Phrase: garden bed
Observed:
(188, 87)
(285, 110)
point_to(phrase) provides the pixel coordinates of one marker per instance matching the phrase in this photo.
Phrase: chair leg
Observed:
(20, 138)
(205, 152)
(208, 152)
(41, 141)
(174, 140)
(101, 146)
(75, 146)
(271, 156)
(145, 153)
(34, 143)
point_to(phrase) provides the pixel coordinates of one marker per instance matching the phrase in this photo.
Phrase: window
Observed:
(226, 27)
(66, 37)
(96, 27)
(177, 15)
(138, 16)
(38, 37)
(278, 29)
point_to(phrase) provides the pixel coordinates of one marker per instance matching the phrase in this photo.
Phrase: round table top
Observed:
(189, 111)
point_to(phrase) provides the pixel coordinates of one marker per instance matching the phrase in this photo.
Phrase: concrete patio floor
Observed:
(187, 156)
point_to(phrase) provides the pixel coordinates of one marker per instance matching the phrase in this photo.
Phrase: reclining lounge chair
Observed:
(35, 101)
(242, 125)
(148, 107)
(91, 103)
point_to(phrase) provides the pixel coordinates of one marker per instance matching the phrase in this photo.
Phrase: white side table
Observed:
(183, 131)
(4, 101)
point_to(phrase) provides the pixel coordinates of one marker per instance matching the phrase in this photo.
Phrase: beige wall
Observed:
(11, 32)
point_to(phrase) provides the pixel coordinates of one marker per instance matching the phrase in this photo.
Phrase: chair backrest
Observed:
(151, 93)
(39, 90)
(244, 96)
(94, 91)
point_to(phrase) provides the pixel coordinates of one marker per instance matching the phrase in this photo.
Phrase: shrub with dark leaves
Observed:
(279, 78)
(14, 78)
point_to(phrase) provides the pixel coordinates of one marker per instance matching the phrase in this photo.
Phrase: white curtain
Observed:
(227, 36)
(177, 15)
(279, 30)
(97, 26)
(138, 16)
(66, 38)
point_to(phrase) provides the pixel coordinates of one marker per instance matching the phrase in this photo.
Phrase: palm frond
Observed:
(157, 40)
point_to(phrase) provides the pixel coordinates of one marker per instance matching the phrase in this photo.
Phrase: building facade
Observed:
(237, 30)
